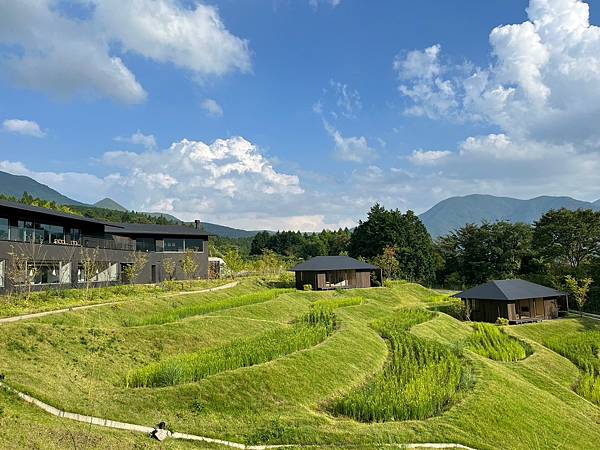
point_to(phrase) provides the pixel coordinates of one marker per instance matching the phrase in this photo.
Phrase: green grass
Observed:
(265, 347)
(200, 309)
(419, 379)
(492, 342)
(583, 349)
(67, 298)
(78, 361)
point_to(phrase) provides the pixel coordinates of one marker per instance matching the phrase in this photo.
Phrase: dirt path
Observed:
(96, 305)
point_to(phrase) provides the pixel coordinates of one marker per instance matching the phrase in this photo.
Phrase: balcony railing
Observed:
(108, 244)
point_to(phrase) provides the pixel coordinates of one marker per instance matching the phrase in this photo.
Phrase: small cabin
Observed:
(336, 272)
(519, 301)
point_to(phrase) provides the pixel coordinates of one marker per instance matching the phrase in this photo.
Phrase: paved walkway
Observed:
(96, 305)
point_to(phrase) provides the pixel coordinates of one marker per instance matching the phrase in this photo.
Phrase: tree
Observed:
(234, 261)
(578, 290)
(189, 266)
(388, 261)
(385, 228)
(169, 267)
(566, 237)
(260, 242)
(137, 265)
(90, 267)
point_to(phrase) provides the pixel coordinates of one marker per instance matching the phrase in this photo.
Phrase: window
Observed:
(52, 233)
(2, 264)
(173, 245)
(75, 234)
(195, 245)
(4, 229)
(45, 273)
(145, 245)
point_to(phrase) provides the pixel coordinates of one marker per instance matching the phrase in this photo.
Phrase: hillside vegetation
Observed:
(272, 370)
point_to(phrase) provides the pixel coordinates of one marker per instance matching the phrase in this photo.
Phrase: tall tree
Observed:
(385, 228)
(566, 237)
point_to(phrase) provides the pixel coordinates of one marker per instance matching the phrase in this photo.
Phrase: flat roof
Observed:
(47, 212)
(153, 229)
(508, 290)
(325, 263)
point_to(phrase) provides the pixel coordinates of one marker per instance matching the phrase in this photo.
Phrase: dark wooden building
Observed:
(335, 272)
(518, 301)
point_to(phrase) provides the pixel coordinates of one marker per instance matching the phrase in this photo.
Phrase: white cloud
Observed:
(315, 3)
(65, 56)
(353, 149)
(429, 157)
(212, 108)
(348, 99)
(138, 138)
(26, 127)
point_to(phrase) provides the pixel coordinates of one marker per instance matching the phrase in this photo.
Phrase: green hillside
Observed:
(109, 203)
(258, 365)
(14, 186)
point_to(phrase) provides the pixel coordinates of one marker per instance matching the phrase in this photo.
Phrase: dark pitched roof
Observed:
(46, 212)
(128, 229)
(508, 290)
(319, 263)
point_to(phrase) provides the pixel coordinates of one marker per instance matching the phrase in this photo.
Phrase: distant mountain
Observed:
(109, 203)
(223, 231)
(15, 185)
(454, 212)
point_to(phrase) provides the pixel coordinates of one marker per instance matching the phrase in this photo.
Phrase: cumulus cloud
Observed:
(541, 91)
(47, 50)
(25, 127)
(315, 3)
(212, 108)
(353, 149)
(138, 138)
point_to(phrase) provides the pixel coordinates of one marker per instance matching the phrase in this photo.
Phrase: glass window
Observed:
(45, 273)
(75, 234)
(173, 245)
(52, 233)
(145, 244)
(196, 245)
(4, 229)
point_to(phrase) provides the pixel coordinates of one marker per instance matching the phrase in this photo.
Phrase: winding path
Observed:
(96, 305)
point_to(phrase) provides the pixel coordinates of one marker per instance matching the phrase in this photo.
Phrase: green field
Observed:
(258, 364)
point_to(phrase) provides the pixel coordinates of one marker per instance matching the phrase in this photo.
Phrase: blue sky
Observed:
(300, 114)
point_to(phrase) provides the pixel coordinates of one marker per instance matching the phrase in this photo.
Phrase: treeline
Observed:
(398, 243)
(561, 243)
(93, 212)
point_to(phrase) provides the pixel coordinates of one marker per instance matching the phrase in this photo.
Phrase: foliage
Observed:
(502, 321)
(182, 312)
(419, 379)
(578, 290)
(189, 266)
(406, 232)
(307, 332)
(307, 287)
(138, 263)
(388, 261)
(568, 237)
(28, 199)
(301, 245)
(475, 254)
(169, 267)
(492, 342)
(234, 261)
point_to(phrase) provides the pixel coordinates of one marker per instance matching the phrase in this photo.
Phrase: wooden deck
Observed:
(526, 320)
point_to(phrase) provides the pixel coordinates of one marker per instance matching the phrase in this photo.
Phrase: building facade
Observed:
(336, 272)
(43, 249)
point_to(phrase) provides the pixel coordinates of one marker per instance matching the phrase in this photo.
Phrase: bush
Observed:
(502, 321)
(307, 287)
(454, 308)
(493, 343)
(418, 380)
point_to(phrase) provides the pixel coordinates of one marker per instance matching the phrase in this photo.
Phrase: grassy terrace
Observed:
(321, 348)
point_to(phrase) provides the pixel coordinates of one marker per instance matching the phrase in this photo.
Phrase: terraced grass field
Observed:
(255, 364)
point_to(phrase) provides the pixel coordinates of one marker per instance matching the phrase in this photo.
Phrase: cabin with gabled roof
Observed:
(336, 272)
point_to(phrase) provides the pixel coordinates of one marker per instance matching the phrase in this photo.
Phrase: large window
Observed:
(4, 229)
(145, 244)
(174, 245)
(196, 245)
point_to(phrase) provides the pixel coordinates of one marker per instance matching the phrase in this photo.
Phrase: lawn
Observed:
(256, 364)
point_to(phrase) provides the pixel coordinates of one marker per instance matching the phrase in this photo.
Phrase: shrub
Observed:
(418, 380)
(502, 321)
(307, 287)
(493, 343)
